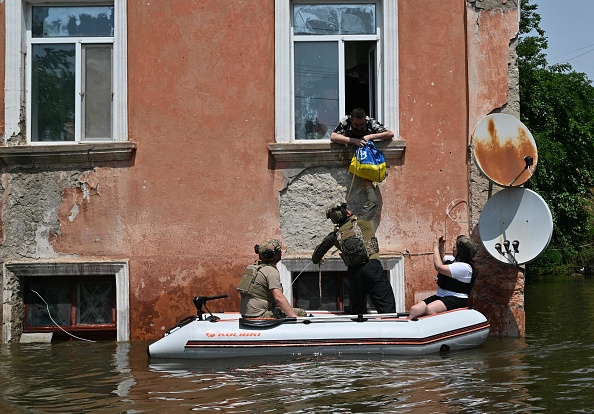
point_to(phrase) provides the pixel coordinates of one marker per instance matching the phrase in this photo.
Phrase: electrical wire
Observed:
(455, 201)
(306, 266)
(52, 319)
(582, 54)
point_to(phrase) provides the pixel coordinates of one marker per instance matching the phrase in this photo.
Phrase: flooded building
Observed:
(147, 146)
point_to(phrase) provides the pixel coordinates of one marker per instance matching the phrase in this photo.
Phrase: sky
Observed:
(569, 27)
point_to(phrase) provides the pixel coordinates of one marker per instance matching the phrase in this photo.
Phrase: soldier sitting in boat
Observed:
(456, 274)
(260, 287)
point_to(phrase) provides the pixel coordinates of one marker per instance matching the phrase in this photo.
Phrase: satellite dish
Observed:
(516, 225)
(504, 150)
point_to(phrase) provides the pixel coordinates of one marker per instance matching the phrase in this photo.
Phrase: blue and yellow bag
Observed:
(368, 162)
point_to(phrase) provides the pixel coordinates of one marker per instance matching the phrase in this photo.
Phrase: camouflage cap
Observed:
(337, 213)
(466, 247)
(267, 247)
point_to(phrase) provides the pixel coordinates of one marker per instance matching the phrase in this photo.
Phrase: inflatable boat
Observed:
(225, 335)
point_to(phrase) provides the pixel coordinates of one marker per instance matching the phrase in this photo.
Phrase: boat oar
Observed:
(271, 323)
(364, 316)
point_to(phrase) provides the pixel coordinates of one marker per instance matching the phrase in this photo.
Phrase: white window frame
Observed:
(387, 66)
(17, 70)
(393, 265)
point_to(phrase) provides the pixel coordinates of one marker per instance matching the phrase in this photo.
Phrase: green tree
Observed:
(557, 106)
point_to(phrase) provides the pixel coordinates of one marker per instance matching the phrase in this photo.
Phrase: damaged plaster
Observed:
(494, 4)
(31, 202)
(305, 199)
(493, 88)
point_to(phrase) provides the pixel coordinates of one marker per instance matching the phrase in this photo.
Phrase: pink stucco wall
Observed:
(201, 110)
(433, 120)
(202, 189)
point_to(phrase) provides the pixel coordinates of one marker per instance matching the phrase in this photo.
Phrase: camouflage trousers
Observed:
(277, 313)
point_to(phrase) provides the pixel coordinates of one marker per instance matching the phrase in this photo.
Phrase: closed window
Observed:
(327, 287)
(327, 291)
(86, 299)
(71, 78)
(80, 305)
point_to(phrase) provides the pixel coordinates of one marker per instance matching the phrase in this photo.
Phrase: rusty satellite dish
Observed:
(516, 225)
(504, 150)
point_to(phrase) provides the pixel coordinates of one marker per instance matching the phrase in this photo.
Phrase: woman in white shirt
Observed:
(454, 279)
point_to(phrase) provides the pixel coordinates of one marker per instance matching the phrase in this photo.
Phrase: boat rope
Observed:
(353, 180)
(415, 254)
(52, 319)
(320, 284)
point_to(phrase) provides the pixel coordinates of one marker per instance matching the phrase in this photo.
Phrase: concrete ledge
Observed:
(38, 337)
(28, 155)
(327, 153)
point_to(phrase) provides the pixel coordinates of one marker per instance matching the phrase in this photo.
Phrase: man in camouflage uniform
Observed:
(355, 237)
(260, 287)
(358, 129)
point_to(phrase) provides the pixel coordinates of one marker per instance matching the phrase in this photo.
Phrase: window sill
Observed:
(67, 154)
(327, 153)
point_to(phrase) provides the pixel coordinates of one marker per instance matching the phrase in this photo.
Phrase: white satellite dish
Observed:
(504, 150)
(516, 225)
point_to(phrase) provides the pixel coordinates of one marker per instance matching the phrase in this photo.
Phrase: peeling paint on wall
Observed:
(31, 201)
(304, 201)
(493, 87)
(30, 216)
(188, 228)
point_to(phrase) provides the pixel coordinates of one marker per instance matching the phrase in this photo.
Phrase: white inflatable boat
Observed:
(225, 335)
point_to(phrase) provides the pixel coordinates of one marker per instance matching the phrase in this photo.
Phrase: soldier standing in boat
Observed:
(355, 237)
(260, 287)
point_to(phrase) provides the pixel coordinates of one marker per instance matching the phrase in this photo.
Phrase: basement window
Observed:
(87, 299)
(328, 291)
(302, 288)
(82, 306)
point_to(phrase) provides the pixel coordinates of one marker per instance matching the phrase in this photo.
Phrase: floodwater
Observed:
(550, 370)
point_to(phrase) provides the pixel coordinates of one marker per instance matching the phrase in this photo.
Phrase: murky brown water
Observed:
(551, 370)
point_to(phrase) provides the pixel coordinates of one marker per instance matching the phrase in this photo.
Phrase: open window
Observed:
(335, 65)
(330, 57)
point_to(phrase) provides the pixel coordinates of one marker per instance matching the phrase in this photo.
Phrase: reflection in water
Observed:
(551, 370)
